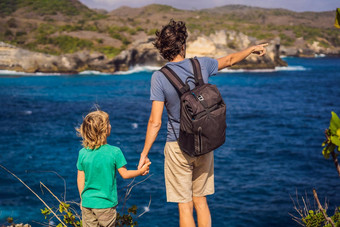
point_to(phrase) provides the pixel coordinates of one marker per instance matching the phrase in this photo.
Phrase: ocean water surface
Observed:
(275, 119)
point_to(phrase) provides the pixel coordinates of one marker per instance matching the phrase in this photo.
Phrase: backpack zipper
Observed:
(200, 139)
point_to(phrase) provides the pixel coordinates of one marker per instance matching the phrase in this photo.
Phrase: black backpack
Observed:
(203, 113)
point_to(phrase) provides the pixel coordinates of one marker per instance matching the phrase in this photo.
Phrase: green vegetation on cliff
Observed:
(44, 7)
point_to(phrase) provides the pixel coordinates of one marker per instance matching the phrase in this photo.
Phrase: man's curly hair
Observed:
(170, 40)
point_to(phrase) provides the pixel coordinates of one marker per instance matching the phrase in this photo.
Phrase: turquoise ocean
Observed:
(276, 121)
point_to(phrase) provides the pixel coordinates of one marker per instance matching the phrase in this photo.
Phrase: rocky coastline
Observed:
(143, 53)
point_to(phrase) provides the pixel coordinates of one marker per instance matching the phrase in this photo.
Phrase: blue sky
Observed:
(295, 5)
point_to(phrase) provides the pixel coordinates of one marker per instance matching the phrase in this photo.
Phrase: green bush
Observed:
(126, 41)
(12, 23)
(68, 44)
(20, 33)
(109, 51)
(7, 7)
(286, 40)
(91, 27)
(47, 29)
(98, 16)
(193, 26)
(64, 44)
(48, 19)
(152, 31)
(8, 33)
(324, 44)
(52, 7)
(70, 28)
(260, 34)
(118, 29)
(117, 36)
(139, 29)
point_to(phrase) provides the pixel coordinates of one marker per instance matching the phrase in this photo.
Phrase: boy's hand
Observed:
(145, 168)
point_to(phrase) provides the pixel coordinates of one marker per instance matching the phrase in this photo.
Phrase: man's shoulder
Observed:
(205, 59)
(157, 79)
(157, 74)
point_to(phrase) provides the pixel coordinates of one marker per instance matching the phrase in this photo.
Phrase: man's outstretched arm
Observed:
(234, 58)
(154, 125)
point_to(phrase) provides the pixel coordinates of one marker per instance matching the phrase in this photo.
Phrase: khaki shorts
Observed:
(187, 176)
(99, 217)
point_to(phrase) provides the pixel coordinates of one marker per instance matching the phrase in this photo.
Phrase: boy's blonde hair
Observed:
(94, 129)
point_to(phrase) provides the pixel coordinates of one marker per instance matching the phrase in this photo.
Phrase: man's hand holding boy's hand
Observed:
(145, 168)
(143, 159)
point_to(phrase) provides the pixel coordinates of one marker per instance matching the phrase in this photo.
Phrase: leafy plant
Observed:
(70, 218)
(127, 219)
(318, 217)
(10, 220)
(66, 213)
(314, 218)
(332, 141)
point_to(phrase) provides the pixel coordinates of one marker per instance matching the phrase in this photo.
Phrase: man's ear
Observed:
(183, 50)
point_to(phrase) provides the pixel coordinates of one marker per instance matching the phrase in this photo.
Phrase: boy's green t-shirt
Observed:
(100, 166)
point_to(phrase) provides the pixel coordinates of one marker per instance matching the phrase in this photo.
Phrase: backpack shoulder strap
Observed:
(174, 80)
(197, 70)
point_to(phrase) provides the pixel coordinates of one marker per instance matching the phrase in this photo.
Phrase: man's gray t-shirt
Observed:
(162, 90)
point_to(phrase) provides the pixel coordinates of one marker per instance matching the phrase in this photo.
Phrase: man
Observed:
(188, 179)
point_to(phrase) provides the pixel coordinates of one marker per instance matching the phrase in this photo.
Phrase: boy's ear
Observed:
(109, 130)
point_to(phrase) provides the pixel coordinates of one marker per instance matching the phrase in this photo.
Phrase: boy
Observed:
(97, 164)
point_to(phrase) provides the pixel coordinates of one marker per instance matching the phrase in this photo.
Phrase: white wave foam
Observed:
(91, 72)
(16, 73)
(320, 55)
(151, 69)
(9, 72)
(287, 68)
(27, 112)
(226, 70)
(291, 68)
(138, 69)
(134, 125)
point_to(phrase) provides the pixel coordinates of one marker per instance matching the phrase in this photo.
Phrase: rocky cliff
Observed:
(221, 43)
(141, 52)
(17, 59)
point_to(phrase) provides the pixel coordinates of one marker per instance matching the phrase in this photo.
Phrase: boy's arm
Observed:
(154, 125)
(126, 174)
(81, 181)
(234, 58)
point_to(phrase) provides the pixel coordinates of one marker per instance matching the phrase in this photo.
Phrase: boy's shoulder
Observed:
(82, 151)
(104, 147)
(111, 148)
